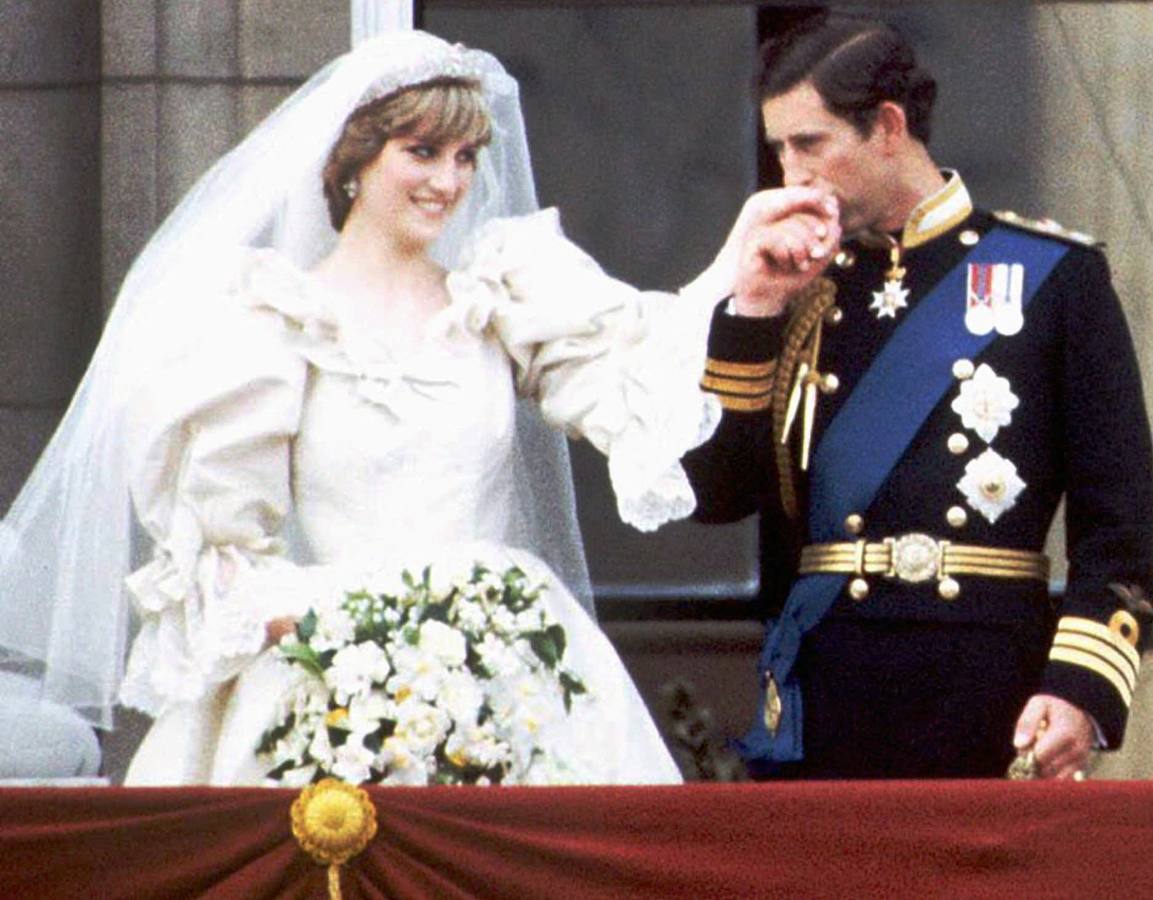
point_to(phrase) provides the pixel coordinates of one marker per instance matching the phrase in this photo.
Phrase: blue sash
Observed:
(854, 457)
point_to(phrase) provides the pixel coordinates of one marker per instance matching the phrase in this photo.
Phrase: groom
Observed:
(910, 385)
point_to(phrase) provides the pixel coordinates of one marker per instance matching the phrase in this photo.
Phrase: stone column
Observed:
(49, 255)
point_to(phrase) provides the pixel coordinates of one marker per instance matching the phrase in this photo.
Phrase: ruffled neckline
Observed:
(273, 283)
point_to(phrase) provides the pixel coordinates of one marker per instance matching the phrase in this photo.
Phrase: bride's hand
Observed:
(278, 628)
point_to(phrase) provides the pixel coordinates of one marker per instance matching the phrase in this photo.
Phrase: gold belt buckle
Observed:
(915, 557)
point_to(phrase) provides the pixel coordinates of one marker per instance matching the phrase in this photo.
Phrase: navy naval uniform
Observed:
(908, 606)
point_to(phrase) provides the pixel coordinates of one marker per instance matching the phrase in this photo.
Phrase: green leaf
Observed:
(556, 632)
(304, 656)
(279, 772)
(572, 687)
(437, 612)
(544, 646)
(306, 626)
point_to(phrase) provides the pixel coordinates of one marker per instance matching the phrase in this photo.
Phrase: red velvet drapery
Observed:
(961, 839)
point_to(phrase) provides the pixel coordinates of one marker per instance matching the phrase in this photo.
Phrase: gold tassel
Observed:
(797, 379)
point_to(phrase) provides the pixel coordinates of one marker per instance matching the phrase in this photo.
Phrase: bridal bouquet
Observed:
(426, 685)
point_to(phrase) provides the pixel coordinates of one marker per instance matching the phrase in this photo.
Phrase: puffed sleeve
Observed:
(606, 362)
(210, 443)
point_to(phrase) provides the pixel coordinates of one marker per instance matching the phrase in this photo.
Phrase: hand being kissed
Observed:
(787, 238)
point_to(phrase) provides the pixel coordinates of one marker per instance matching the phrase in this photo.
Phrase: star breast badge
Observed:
(892, 297)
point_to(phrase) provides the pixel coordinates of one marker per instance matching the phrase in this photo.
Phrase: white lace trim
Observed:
(195, 632)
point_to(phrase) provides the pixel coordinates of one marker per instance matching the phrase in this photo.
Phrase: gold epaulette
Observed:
(1047, 227)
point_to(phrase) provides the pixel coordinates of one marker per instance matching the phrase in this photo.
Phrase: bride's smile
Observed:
(413, 186)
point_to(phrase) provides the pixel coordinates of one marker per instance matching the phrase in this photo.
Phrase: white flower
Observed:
(352, 760)
(418, 673)
(490, 583)
(986, 402)
(477, 747)
(531, 619)
(292, 746)
(504, 619)
(334, 629)
(320, 747)
(406, 765)
(461, 697)
(445, 643)
(298, 777)
(991, 485)
(471, 616)
(310, 699)
(498, 657)
(420, 725)
(365, 711)
(355, 668)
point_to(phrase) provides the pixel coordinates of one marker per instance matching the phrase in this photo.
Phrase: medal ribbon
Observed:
(854, 457)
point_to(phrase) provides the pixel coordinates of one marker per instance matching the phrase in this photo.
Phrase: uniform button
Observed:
(829, 383)
(969, 237)
(948, 589)
(963, 369)
(834, 315)
(958, 443)
(1125, 624)
(956, 516)
(858, 589)
(854, 523)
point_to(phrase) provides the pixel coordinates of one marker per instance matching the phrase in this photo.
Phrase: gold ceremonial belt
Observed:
(916, 558)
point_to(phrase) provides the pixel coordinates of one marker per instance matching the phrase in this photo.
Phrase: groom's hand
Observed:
(787, 238)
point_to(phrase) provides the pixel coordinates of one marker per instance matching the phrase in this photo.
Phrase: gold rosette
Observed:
(333, 821)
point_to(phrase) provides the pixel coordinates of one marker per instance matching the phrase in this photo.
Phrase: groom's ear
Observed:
(890, 127)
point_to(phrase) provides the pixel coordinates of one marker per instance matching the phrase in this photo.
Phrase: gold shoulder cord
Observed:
(798, 373)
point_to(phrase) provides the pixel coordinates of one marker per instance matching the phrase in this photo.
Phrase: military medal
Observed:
(894, 295)
(993, 298)
(774, 707)
(991, 485)
(1007, 315)
(985, 403)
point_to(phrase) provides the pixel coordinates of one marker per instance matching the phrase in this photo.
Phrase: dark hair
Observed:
(855, 65)
(441, 110)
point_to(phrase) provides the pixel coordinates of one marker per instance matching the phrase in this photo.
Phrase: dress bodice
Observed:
(425, 461)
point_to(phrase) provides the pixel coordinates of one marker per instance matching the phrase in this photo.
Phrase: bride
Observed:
(300, 389)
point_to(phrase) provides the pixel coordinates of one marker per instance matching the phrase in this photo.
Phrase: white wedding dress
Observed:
(383, 458)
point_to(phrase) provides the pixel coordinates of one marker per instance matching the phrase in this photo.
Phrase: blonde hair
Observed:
(440, 111)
